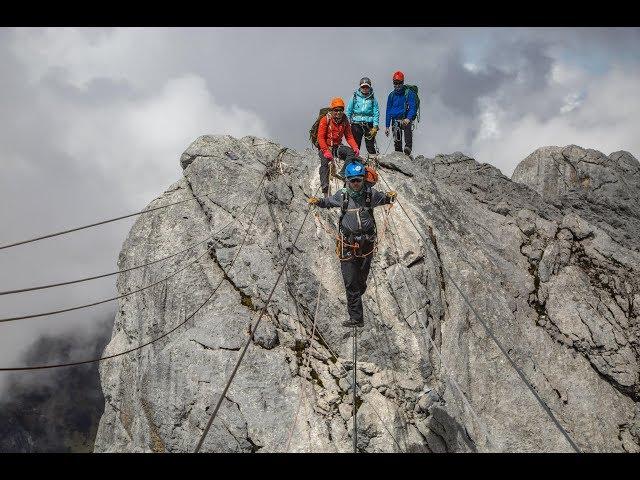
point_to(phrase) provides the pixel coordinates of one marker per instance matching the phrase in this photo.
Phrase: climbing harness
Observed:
(349, 245)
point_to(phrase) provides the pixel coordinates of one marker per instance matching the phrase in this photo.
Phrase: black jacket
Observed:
(357, 218)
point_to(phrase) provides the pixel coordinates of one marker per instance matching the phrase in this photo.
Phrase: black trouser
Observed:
(354, 274)
(396, 129)
(360, 130)
(342, 152)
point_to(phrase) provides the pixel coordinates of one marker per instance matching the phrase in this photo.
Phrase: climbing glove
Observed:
(313, 200)
(328, 155)
(392, 195)
(356, 151)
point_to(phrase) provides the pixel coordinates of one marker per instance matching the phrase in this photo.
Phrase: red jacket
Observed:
(328, 137)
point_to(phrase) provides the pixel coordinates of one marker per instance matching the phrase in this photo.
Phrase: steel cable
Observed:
(253, 330)
(59, 365)
(491, 334)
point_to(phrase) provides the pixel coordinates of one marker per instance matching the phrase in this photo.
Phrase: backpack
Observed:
(370, 176)
(313, 133)
(414, 89)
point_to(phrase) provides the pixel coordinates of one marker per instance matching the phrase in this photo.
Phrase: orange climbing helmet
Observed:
(336, 102)
(398, 76)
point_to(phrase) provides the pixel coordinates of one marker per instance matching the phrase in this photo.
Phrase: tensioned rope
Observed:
(106, 300)
(59, 365)
(454, 382)
(253, 330)
(316, 330)
(346, 373)
(307, 362)
(128, 269)
(491, 334)
(100, 302)
(64, 232)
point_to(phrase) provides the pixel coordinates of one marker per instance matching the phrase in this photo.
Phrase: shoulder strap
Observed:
(367, 205)
(343, 210)
(406, 99)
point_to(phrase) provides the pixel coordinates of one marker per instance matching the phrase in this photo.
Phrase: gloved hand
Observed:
(313, 200)
(373, 131)
(405, 122)
(386, 131)
(328, 155)
(392, 195)
(356, 151)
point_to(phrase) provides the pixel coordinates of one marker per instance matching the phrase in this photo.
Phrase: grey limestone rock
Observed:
(550, 260)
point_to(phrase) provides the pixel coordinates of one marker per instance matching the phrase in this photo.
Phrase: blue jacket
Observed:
(397, 106)
(363, 109)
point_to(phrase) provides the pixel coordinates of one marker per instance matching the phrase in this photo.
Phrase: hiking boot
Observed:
(353, 323)
(407, 151)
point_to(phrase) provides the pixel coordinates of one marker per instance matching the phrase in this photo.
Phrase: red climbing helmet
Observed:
(398, 76)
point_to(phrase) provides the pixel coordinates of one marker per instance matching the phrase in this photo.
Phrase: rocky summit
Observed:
(549, 259)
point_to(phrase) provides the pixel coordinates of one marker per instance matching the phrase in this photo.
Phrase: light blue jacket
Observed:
(363, 109)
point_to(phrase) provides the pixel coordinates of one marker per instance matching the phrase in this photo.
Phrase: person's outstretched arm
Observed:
(328, 202)
(379, 198)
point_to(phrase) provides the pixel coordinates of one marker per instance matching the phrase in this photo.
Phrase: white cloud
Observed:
(489, 120)
(607, 120)
(83, 54)
(139, 142)
(572, 101)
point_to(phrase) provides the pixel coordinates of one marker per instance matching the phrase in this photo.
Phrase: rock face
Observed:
(550, 260)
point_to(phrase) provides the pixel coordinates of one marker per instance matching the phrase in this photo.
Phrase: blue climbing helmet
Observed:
(354, 169)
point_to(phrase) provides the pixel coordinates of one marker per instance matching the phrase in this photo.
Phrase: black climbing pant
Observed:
(355, 273)
(360, 130)
(398, 129)
(340, 151)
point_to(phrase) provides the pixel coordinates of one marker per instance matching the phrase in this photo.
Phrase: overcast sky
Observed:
(93, 121)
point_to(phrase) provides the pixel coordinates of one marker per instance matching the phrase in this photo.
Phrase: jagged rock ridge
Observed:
(548, 259)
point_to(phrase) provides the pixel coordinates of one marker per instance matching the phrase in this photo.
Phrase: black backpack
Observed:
(313, 133)
(367, 205)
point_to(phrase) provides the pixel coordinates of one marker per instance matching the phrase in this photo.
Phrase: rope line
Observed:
(246, 346)
(346, 373)
(306, 365)
(128, 269)
(493, 337)
(70, 364)
(435, 347)
(100, 302)
(106, 300)
(71, 230)
(324, 342)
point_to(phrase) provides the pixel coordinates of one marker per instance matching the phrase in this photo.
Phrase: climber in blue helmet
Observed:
(357, 234)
